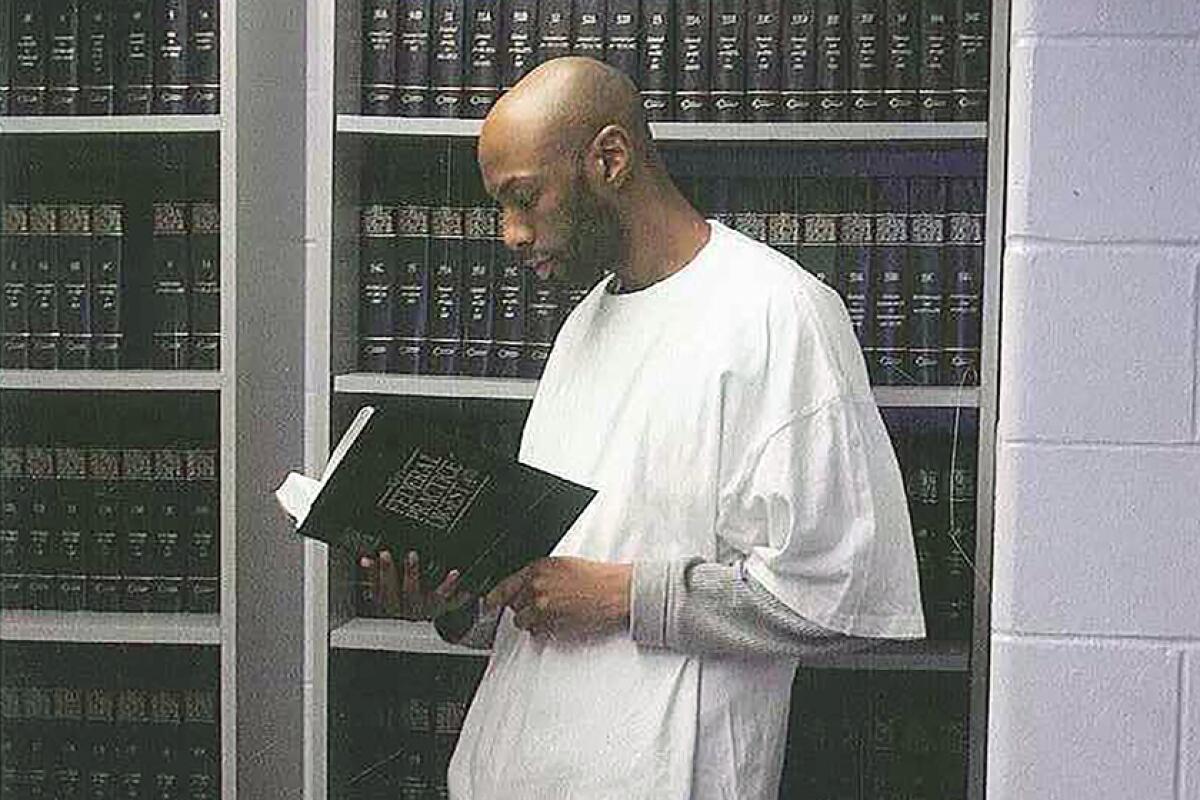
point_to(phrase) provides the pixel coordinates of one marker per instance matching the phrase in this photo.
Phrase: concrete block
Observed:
(1106, 18)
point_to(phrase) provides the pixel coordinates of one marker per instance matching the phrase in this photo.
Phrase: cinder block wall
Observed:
(1095, 684)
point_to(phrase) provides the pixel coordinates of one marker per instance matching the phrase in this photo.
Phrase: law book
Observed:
(134, 56)
(137, 490)
(411, 310)
(44, 288)
(171, 327)
(520, 40)
(866, 59)
(96, 49)
(693, 64)
(104, 543)
(657, 51)
(484, 39)
(891, 285)
(62, 63)
(165, 544)
(204, 295)
(379, 57)
(764, 56)
(203, 57)
(902, 61)
(964, 274)
(446, 290)
(729, 62)
(481, 232)
(855, 243)
(108, 237)
(820, 202)
(447, 57)
(38, 545)
(511, 290)
(553, 29)
(621, 36)
(391, 484)
(412, 57)
(588, 18)
(170, 37)
(376, 279)
(201, 538)
(784, 226)
(833, 69)
(927, 236)
(936, 51)
(752, 217)
(972, 54)
(27, 97)
(544, 314)
(75, 272)
(799, 61)
(15, 259)
(14, 510)
(6, 46)
(71, 476)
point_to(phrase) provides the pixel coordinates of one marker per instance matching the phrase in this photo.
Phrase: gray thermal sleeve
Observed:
(707, 608)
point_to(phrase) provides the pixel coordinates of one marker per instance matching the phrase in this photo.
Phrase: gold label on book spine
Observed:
(928, 229)
(412, 221)
(42, 218)
(206, 217)
(376, 220)
(137, 465)
(202, 465)
(856, 229)
(106, 219)
(820, 229)
(39, 461)
(891, 228)
(12, 462)
(74, 218)
(480, 223)
(446, 222)
(783, 228)
(15, 220)
(104, 465)
(965, 228)
(71, 463)
(170, 219)
(168, 465)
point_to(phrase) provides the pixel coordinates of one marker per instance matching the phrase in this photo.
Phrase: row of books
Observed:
(109, 530)
(94, 57)
(693, 60)
(67, 282)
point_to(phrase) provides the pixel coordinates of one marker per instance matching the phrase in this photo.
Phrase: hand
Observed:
(403, 597)
(566, 598)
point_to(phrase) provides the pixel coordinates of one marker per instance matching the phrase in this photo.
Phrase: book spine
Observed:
(964, 252)
(107, 248)
(412, 57)
(936, 49)
(446, 290)
(866, 60)
(14, 517)
(752, 217)
(481, 232)
(62, 64)
(543, 316)
(588, 18)
(202, 539)
(728, 60)
(170, 38)
(553, 29)
(204, 258)
(16, 254)
(104, 544)
(482, 81)
(511, 291)
(28, 93)
(376, 279)
(902, 70)
(855, 242)
(520, 40)
(134, 65)
(892, 292)
(411, 312)
(832, 67)
(204, 57)
(6, 46)
(75, 318)
(656, 57)
(39, 535)
(927, 234)
(379, 57)
(73, 520)
(621, 36)
(171, 329)
(138, 497)
(799, 81)
(764, 45)
(446, 66)
(96, 43)
(165, 551)
(972, 53)
(784, 223)
(44, 291)
(693, 69)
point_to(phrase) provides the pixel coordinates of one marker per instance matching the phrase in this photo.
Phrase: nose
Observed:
(518, 235)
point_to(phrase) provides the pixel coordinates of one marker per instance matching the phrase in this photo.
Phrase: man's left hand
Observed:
(567, 598)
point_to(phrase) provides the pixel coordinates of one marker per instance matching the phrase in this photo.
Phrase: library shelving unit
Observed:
(338, 141)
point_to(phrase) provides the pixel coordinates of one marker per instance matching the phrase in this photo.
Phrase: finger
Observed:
(389, 594)
(503, 593)
(412, 576)
(448, 585)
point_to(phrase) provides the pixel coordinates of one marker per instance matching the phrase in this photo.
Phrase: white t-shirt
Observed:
(722, 412)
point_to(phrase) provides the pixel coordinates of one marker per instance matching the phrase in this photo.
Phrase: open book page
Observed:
(298, 492)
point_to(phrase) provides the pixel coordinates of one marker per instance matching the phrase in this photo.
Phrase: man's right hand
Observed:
(397, 589)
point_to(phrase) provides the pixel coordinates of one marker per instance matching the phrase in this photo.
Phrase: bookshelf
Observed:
(110, 628)
(339, 140)
(152, 124)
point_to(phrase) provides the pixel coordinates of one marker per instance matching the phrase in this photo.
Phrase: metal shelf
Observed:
(114, 380)
(135, 123)
(118, 628)
(697, 131)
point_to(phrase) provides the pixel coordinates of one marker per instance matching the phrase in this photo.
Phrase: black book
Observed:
(901, 61)
(820, 201)
(39, 532)
(480, 229)
(204, 296)
(484, 36)
(890, 286)
(75, 314)
(204, 57)
(936, 50)
(799, 64)
(6, 45)
(29, 56)
(448, 57)
(96, 44)
(16, 256)
(411, 311)
(73, 518)
(201, 540)
(511, 290)
(14, 517)
(783, 224)
(621, 36)
(656, 59)
(693, 65)
(379, 57)
(171, 327)
(587, 28)
(833, 69)
(964, 272)
(553, 29)
(927, 234)
(167, 519)
(391, 484)
(544, 314)
(170, 57)
(520, 40)
(108, 237)
(137, 490)
(104, 543)
(135, 61)
(764, 57)
(855, 243)
(412, 57)
(62, 65)
(376, 282)
(866, 59)
(972, 52)
(44, 288)
(729, 62)
(446, 299)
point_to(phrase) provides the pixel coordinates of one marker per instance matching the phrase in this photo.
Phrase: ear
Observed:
(611, 157)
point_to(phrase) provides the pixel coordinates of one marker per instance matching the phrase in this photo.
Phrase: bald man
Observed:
(749, 512)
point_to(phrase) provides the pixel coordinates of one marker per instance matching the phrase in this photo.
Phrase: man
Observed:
(749, 510)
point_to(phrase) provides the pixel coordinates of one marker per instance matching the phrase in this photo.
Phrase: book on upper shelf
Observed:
(392, 484)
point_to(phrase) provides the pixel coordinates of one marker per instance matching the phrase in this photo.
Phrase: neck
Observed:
(663, 232)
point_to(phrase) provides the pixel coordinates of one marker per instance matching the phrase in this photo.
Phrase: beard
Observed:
(594, 240)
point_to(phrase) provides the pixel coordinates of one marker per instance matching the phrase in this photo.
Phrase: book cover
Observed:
(6, 43)
(656, 59)
(820, 202)
(693, 65)
(890, 284)
(855, 243)
(520, 40)
(62, 64)
(833, 70)
(866, 60)
(74, 516)
(44, 288)
(204, 295)
(481, 232)
(411, 312)
(392, 484)
(39, 532)
(511, 290)
(621, 36)
(764, 56)
(936, 51)
(169, 265)
(927, 231)
(588, 18)
(138, 491)
(108, 236)
(96, 43)
(379, 57)
(75, 317)
(27, 96)
(448, 29)
(170, 37)
(964, 273)
(728, 97)
(201, 540)
(165, 550)
(134, 53)
(15, 258)
(799, 79)
(972, 54)
(376, 278)
(412, 57)
(14, 513)
(553, 29)
(902, 61)
(445, 290)
(204, 57)
(103, 545)
(482, 81)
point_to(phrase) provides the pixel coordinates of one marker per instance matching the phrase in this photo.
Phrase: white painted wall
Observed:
(1095, 684)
